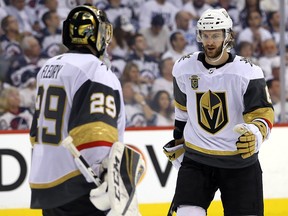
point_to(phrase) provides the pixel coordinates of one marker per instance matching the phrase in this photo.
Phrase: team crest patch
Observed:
(194, 82)
(212, 110)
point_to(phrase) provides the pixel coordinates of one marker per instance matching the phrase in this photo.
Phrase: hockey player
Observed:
(78, 97)
(216, 92)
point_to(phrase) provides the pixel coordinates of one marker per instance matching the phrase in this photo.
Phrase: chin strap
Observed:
(225, 42)
(220, 56)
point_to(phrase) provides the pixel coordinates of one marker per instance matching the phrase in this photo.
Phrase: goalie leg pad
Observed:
(125, 168)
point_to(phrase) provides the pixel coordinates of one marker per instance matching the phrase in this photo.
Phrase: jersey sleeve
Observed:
(257, 102)
(94, 115)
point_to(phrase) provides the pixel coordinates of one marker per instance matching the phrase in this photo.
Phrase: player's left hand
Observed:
(250, 140)
(174, 151)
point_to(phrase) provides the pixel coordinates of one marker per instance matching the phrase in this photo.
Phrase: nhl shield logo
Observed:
(194, 81)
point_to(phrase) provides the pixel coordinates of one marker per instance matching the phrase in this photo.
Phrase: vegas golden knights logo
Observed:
(212, 110)
(194, 81)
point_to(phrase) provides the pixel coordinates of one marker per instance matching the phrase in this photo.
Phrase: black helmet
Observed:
(87, 26)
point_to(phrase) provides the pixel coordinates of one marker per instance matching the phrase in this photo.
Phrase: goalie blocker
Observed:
(124, 167)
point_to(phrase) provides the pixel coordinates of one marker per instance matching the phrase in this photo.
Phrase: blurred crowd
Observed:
(149, 36)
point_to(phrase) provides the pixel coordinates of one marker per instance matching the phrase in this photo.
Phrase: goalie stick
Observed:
(68, 144)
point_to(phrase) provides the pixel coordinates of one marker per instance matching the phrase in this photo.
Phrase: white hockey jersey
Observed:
(212, 100)
(77, 96)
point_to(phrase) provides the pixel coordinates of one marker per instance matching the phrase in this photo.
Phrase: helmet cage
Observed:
(87, 26)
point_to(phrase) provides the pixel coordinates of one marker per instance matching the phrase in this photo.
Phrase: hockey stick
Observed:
(171, 208)
(68, 144)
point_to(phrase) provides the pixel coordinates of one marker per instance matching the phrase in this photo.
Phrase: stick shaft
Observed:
(68, 144)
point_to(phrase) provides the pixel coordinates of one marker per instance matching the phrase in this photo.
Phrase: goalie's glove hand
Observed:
(174, 151)
(99, 196)
(250, 140)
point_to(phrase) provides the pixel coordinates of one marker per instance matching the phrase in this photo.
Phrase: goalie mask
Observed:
(216, 19)
(87, 26)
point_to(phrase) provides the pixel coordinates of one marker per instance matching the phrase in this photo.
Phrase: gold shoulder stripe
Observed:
(179, 106)
(56, 182)
(92, 132)
(32, 140)
(262, 113)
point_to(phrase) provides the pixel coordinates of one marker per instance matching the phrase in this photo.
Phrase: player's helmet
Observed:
(214, 19)
(87, 26)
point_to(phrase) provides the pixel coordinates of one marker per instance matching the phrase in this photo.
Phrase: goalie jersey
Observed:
(212, 100)
(78, 96)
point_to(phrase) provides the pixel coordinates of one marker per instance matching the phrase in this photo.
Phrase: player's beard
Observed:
(212, 54)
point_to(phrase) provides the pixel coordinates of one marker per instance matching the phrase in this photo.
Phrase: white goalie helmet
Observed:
(214, 19)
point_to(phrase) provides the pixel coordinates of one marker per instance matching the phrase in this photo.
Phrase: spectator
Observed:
(232, 11)
(274, 27)
(147, 64)
(154, 7)
(27, 91)
(156, 37)
(9, 41)
(123, 32)
(255, 33)
(245, 49)
(184, 25)
(13, 117)
(25, 16)
(274, 89)
(27, 64)
(3, 13)
(64, 7)
(114, 9)
(178, 44)
(196, 8)
(136, 6)
(138, 112)
(251, 6)
(165, 81)
(47, 5)
(179, 4)
(161, 105)
(140, 85)
(269, 53)
(116, 61)
(276, 73)
(51, 37)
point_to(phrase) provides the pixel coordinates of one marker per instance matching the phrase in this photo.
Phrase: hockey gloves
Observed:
(174, 151)
(250, 140)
